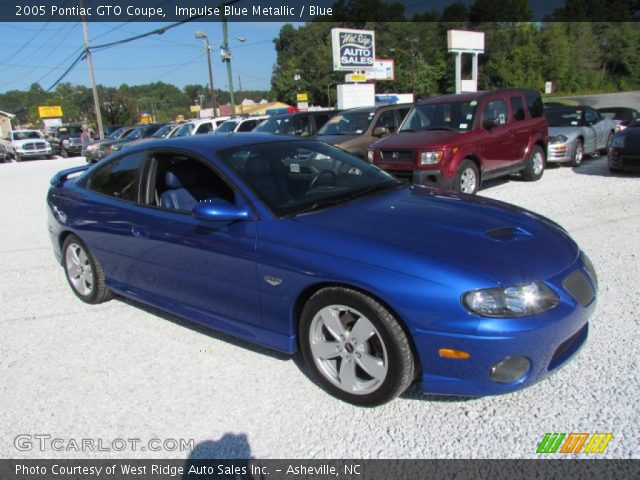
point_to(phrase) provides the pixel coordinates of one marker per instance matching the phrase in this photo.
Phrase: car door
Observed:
(165, 255)
(496, 143)
(592, 131)
(521, 128)
(600, 127)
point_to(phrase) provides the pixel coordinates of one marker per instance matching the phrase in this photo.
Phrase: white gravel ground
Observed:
(119, 371)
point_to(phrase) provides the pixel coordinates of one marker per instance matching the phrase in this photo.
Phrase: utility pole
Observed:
(226, 57)
(96, 100)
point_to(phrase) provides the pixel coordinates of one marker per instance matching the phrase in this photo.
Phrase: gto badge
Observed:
(273, 281)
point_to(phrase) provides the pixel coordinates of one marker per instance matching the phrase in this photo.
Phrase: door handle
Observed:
(139, 232)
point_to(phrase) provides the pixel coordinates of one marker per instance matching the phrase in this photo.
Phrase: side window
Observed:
(591, 117)
(119, 178)
(247, 125)
(387, 120)
(534, 103)
(180, 182)
(517, 108)
(302, 127)
(496, 109)
(321, 120)
(204, 128)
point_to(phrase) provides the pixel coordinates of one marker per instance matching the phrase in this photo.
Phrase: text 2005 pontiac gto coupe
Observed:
(297, 245)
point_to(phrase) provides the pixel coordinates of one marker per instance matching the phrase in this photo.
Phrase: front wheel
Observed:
(535, 165)
(355, 347)
(83, 271)
(578, 154)
(467, 178)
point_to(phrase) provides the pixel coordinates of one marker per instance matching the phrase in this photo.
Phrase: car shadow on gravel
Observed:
(598, 166)
(204, 330)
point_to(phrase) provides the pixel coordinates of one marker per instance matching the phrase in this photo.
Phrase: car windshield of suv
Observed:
(184, 130)
(27, 135)
(277, 125)
(453, 116)
(348, 123)
(228, 126)
(117, 133)
(563, 117)
(72, 131)
(302, 176)
(134, 134)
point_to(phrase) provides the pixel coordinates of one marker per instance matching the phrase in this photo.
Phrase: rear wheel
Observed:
(84, 273)
(467, 178)
(17, 157)
(578, 154)
(355, 347)
(535, 166)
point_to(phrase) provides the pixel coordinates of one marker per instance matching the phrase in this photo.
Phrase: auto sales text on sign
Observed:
(353, 49)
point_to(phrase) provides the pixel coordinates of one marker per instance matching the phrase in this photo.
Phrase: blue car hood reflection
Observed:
(495, 240)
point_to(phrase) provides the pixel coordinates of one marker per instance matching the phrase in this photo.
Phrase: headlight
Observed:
(618, 141)
(370, 156)
(558, 139)
(115, 148)
(91, 148)
(430, 158)
(517, 301)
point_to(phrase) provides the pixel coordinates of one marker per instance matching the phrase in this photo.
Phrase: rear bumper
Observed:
(620, 161)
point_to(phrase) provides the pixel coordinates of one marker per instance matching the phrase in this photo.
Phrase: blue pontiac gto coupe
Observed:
(297, 245)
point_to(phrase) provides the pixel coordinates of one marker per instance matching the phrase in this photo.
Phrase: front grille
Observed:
(568, 347)
(34, 146)
(578, 285)
(396, 155)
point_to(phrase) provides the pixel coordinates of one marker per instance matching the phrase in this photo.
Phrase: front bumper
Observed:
(42, 152)
(559, 152)
(547, 340)
(621, 161)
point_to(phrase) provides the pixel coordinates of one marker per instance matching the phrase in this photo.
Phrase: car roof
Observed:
(222, 141)
(375, 108)
(467, 97)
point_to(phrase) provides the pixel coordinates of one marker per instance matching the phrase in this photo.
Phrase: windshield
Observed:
(302, 176)
(27, 135)
(184, 130)
(163, 131)
(348, 123)
(228, 126)
(116, 133)
(277, 125)
(71, 131)
(564, 118)
(455, 116)
(135, 133)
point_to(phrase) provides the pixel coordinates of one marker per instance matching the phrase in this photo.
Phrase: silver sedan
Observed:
(575, 132)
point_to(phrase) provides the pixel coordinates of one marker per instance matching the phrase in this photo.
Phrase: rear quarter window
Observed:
(118, 178)
(534, 103)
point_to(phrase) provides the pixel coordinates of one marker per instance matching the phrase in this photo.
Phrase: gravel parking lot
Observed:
(120, 370)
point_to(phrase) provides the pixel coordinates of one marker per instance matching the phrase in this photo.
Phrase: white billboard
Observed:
(383, 69)
(465, 40)
(353, 49)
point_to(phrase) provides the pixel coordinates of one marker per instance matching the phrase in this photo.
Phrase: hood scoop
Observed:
(508, 234)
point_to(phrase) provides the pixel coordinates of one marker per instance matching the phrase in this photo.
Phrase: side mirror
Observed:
(219, 210)
(489, 123)
(380, 131)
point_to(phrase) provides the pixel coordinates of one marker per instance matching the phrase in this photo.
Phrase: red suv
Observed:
(458, 141)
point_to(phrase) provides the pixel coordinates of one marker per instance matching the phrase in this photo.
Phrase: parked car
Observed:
(458, 141)
(198, 126)
(240, 124)
(4, 156)
(302, 124)
(294, 244)
(355, 129)
(139, 132)
(575, 132)
(100, 148)
(66, 139)
(26, 144)
(622, 116)
(624, 152)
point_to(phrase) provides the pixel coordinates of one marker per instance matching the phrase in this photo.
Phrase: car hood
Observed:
(493, 239)
(414, 140)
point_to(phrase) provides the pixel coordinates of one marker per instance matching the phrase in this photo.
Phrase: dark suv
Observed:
(66, 139)
(458, 141)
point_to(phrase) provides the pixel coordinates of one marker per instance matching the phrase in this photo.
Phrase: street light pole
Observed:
(225, 55)
(94, 88)
(214, 103)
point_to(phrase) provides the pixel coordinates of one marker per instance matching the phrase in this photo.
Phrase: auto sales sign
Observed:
(353, 49)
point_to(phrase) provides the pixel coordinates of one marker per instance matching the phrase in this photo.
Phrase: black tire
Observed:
(467, 179)
(377, 369)
(535, 164)
(63, 152)
(605, 150)
(17, 157)
(577, 154)
(85, 276)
